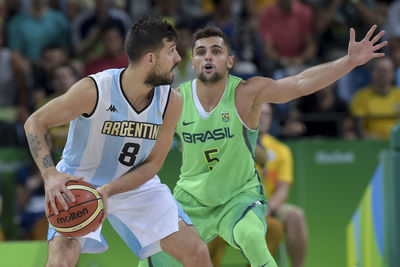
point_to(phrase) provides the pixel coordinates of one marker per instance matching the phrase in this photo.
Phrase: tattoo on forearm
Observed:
(47, 161)
(34, 145)
(47, 139)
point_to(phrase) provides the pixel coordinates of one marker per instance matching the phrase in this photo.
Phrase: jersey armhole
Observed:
(167, 102)
(97, 99)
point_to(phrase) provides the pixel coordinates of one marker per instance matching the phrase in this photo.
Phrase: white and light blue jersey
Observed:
(115, 137)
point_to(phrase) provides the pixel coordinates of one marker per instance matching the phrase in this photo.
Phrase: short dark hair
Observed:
(147, 36)
(212, 32)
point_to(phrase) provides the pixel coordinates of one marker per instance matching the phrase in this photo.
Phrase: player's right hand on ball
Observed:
(104, 198)
(54, 186)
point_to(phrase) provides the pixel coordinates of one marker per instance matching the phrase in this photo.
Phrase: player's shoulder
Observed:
(176, 94)
(84, 84)
(255, 83)
(175, 101)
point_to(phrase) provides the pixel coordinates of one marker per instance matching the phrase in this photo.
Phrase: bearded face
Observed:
(157, 77)
(215, 77)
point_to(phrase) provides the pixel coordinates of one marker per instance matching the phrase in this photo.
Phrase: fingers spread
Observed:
(379, 46)
(378, 36)
(69, 195)
(370, 32)
(378, 54)
(54, 206)
(62, 201)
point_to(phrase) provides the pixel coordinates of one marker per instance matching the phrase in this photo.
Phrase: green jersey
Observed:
(217, 148)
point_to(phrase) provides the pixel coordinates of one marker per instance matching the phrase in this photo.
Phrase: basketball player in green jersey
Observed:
(219, 187)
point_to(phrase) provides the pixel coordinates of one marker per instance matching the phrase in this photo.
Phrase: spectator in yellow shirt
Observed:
(277, 177)
(377, 106)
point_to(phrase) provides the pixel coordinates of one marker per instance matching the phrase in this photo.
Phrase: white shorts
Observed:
(142, 217)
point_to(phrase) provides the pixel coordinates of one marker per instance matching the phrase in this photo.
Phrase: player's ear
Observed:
(150, 58)
(231, 59)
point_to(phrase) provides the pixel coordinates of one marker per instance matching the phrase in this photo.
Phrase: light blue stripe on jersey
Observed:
(103, 175)
(72, 153)
(153, 117)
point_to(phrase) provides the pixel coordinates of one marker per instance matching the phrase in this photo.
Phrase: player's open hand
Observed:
(55, 187)
(361, 52)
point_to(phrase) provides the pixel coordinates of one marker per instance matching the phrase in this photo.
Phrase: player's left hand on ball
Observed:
(55, 188)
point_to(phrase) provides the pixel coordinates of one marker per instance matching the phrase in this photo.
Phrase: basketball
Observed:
(83, 216)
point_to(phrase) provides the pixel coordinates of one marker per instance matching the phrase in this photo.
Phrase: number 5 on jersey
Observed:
(211, 159)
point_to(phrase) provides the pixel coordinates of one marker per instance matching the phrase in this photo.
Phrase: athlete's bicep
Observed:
(271, 91)
(80, 99)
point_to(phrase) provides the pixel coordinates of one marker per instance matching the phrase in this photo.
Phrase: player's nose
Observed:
(177, 58)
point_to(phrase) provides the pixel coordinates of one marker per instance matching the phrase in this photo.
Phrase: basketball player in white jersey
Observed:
(121, 129)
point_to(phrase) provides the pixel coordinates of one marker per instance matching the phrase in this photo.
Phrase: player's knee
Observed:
(296, 217)
(200, 252)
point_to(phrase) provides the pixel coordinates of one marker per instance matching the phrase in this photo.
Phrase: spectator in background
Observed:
(30, 198)
(277, 177)
(14, 70)
(335, 17)
(192, 10)
(249, 58)
(29, 32)
(72, 8)
(113, 56)
(138, 8)
(184, 71)
(52, 56)
(30, 186)
(87, 25)
(286, 28)
(168, 10)
(222, 17)
(236, 20)
(322, 114)
(377, 106)
(62, 78)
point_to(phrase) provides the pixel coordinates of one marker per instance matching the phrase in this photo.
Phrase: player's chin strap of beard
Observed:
(249, 236)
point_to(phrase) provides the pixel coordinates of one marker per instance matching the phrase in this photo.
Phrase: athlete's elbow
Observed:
(29, 123)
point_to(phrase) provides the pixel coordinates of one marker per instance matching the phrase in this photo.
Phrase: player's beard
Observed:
(154, 78)
(213, 79)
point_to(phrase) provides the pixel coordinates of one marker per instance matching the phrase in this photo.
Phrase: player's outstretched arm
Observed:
(320, 76)
(155, 160)
(79, 99)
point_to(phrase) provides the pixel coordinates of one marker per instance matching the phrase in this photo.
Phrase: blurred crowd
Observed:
(47, 45)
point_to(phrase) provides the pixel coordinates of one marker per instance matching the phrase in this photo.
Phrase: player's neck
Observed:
(138, 93)
(210, 94)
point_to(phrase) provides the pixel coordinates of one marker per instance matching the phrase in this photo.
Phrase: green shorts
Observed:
(220, 220)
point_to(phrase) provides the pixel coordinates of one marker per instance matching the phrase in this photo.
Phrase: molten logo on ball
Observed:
(72, 216)
(83, 216)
